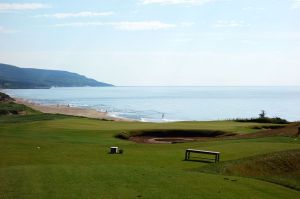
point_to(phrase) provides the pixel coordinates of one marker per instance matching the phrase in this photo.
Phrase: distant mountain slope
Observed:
(15, 77)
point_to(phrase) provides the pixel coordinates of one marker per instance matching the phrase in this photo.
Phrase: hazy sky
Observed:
(157, 42)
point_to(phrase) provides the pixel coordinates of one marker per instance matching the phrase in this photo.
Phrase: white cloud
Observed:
(176, 2)
(230, 24)
(144, 25)
(186, 24)
(78, 14)
(296, 4)
(6, 31)
(123, 25)
(181, 40)
(254, 8)
(79, 24)
(249, 42)
(21, 6)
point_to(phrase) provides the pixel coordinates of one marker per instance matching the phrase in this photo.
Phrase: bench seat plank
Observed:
(202, 151)
(215, 153)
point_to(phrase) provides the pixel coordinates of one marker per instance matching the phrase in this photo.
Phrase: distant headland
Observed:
(13, 77)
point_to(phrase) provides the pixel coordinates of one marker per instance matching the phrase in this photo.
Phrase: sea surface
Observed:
(157, 104)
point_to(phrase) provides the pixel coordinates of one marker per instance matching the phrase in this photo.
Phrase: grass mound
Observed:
(5, 98)
(162, 133)
(9, 107)
(280, 167)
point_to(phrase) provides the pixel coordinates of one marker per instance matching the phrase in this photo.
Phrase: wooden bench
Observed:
(215, 153)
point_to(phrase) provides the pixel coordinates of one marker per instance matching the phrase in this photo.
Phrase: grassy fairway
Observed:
(65, 157)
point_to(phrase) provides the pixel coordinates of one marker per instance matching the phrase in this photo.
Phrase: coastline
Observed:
(145, 104)
(66, 110)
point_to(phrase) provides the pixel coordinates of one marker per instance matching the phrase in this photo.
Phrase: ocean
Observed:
(158, 104)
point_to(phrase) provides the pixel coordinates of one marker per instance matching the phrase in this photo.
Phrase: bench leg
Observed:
(218, 158)
(187, 155)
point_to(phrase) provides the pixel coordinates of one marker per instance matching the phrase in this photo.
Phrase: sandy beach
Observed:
(66, 110)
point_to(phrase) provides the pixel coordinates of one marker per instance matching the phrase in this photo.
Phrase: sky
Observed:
(157, 42)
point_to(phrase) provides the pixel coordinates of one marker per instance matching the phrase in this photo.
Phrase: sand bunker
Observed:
(181, 136)
(170, 136)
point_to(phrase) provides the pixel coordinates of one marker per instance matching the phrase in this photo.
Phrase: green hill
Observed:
(14, 77)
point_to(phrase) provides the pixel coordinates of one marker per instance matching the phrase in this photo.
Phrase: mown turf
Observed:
(67, 157)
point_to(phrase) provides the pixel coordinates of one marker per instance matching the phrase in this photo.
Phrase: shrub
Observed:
(275, 120)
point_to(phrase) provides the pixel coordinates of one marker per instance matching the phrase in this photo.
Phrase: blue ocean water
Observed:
(174, 103)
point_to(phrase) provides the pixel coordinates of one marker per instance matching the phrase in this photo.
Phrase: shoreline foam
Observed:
(67, 110)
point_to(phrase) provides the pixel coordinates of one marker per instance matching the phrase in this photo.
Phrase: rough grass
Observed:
(11, 108)
(280, 167)
(5, 97)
